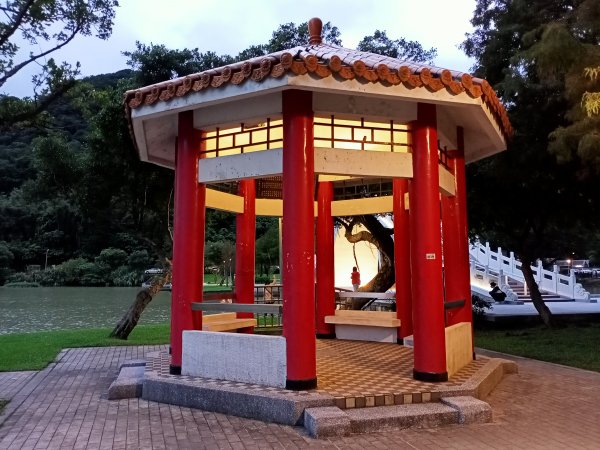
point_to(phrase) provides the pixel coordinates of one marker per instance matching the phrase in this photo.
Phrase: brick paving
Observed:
(65, 406)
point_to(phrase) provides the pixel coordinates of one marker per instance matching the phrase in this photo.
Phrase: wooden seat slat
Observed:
(227, 325)
(364, 321)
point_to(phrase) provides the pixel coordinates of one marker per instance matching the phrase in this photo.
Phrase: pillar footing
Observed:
(301, 385)
(430, 376)
(174, 370)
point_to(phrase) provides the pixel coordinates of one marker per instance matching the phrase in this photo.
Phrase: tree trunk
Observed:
(380, 237)
(534, 292)
(128, 322)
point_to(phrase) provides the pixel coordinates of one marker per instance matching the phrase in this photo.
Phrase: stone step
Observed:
(129, 382)
(332, 421)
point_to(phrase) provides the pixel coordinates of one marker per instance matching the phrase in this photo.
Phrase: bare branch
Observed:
(20, 15)
(33, 58)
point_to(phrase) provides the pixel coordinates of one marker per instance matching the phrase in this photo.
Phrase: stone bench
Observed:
(378, 326)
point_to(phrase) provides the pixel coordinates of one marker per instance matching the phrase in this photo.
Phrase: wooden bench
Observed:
(378, 326)
(225, 322)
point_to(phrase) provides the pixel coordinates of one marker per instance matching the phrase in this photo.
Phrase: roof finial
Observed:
(315, 26)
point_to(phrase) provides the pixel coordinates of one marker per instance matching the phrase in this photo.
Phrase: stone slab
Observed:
(426, 415)
(248, 358)
(326, 421)
(128, 384)
(249, 401)
(133, 363)
(470, 409)
(366, 333)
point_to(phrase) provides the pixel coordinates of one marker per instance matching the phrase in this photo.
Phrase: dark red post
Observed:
(325, 260)
(456, 239)
(426, 251)
(245, 244)
(402, 258)
(188, 236)
(298, 270)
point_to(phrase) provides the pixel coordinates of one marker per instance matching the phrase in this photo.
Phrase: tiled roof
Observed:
(324, 60)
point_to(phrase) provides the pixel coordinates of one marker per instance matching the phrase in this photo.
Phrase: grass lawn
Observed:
(216, 288)
(34, 351)
(573, 345)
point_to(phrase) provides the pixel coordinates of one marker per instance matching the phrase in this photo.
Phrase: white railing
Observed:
(488, 265)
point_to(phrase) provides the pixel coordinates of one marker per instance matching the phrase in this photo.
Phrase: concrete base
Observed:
(332, 421)
(326, 421)
(366, 333)
(470, 410)
(320, 412)
(129, 382)
(249, 358)
(238, 399)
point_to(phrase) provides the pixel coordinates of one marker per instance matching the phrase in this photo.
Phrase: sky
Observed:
(229, 26)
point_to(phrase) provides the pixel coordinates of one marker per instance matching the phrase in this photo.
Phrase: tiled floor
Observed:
(358, 374)
(363, 374)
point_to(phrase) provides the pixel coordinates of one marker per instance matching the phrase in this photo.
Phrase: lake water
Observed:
(58, 308)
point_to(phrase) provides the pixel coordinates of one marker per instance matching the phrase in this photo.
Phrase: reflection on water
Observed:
(57, 308)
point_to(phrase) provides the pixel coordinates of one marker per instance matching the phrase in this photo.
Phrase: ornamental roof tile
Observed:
(322, 61)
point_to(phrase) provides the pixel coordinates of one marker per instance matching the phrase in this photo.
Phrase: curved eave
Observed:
(462, 100)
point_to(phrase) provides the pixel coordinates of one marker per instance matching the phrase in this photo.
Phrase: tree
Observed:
(381, 238)
(45, 26)
(591, 100)
(380, 43)
(537, 197)
(156, 63)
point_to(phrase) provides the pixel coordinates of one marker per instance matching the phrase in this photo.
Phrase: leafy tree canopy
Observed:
(45, 26)
(380, 43)
(538, 197)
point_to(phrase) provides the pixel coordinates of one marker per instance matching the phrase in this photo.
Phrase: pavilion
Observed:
(292, 130)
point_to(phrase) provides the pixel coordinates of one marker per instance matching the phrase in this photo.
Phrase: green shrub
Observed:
(124, 276)
(139, 260)
(112, 257)
(263, 279)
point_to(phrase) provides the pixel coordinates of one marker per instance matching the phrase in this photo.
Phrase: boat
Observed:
(150, 275)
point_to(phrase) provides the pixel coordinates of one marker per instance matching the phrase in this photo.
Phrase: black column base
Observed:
(400, 341)
(430, 376)
(325, 335)
(174, 370)
(301, 385)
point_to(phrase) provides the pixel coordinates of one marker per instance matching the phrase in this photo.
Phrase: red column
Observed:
(188, 236)
(426, 251)
(298, 240)
(402, 258)
(325, 260)
(245, 248)
(456, 239)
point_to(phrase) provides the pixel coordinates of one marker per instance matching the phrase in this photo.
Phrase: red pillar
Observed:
(325, 260)
(402, 258)
(188, 237)
(245, 244)
(298, 240)
(456, 239)
(426, 251)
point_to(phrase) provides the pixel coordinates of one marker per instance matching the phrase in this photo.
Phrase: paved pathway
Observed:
(64, 406)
